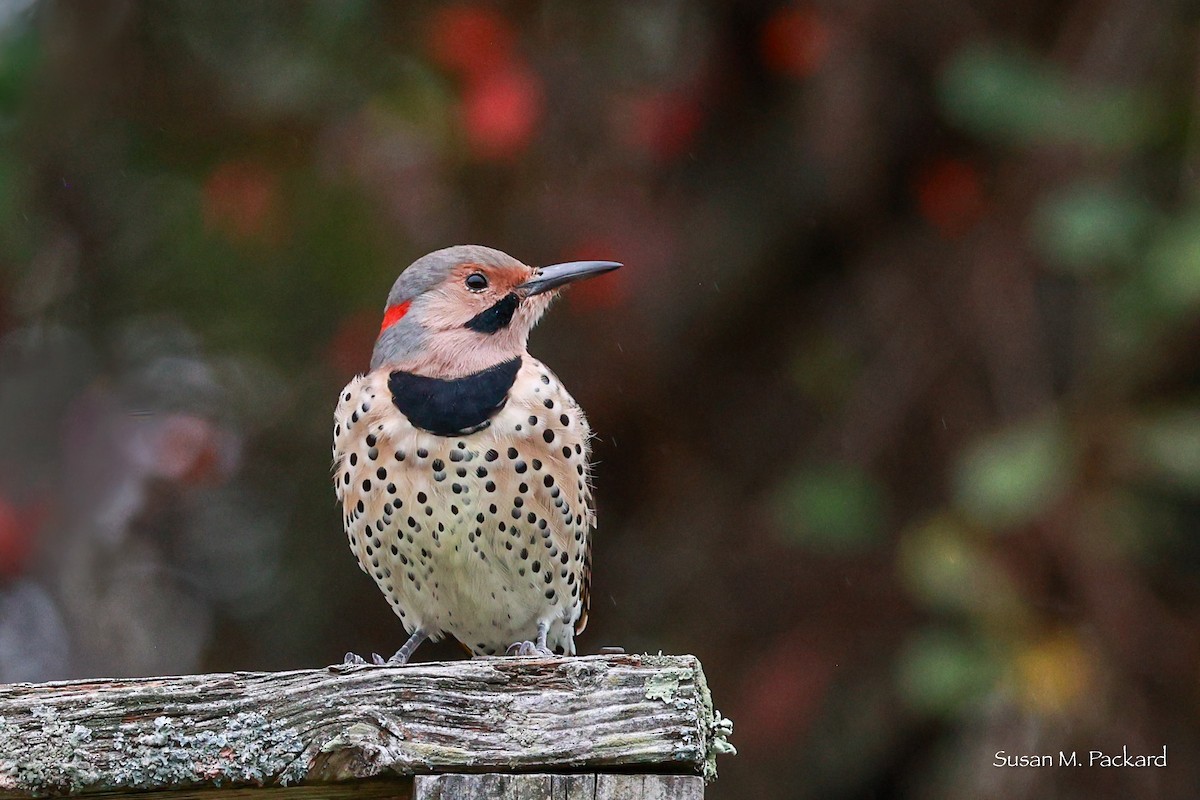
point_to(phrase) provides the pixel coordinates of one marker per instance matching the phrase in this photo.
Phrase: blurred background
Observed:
(898, 398)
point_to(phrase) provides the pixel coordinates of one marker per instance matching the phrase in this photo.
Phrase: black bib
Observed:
(457, 406)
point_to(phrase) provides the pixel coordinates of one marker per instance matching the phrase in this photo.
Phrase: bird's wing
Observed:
(589, 524)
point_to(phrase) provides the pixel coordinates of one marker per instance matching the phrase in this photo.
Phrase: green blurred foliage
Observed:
(1092, 229)
(1015, 475)
(1173, 266)
(831, 510)
(949, 571)
(1019, 99)
(1166, 448)
(20, 56)
(942, 672)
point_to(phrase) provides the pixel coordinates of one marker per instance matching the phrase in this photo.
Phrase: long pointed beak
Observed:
(555, 275)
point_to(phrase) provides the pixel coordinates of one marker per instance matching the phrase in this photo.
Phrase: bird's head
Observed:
(463, 309)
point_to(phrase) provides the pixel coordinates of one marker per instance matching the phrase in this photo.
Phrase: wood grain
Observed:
(339, 724)
(558, 787)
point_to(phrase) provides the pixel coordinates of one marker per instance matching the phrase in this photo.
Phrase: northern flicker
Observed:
(461, 462)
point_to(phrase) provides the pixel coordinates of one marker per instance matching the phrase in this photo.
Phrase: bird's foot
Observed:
(537, 648)
(355, 660)
(528, 648)
(399, 659)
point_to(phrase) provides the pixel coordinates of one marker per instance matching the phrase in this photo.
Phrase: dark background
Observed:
(898, 398)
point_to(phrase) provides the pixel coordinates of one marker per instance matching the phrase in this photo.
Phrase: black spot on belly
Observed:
(453, 407)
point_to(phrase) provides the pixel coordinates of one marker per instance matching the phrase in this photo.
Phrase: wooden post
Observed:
(594, 727)
(499, 786)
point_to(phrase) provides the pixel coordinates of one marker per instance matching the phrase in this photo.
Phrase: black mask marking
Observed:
(453, 407)
(498, 316)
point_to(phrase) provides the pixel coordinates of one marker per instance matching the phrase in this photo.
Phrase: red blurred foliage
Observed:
(502, 97)
(501, 112)
(950, 195)
(605, 292)
(189, 451)
(782, 695)
(794, 41)
(470, 40)
(18, 527)
(241, 201)
(662, 123)
(349, 352)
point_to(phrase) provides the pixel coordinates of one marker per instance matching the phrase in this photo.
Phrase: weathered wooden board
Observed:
(373, 789)
(493, 786)
(585, 714)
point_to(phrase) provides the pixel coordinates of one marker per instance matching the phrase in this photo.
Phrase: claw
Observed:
(528, 648)
(398, 660)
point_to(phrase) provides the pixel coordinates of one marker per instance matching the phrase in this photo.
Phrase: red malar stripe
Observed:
(393, 315)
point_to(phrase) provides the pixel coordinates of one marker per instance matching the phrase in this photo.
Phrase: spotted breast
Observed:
(482, 533)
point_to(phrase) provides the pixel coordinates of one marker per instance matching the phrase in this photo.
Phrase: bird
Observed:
(462, 464)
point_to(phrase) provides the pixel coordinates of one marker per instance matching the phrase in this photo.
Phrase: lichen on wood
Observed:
(358, 722)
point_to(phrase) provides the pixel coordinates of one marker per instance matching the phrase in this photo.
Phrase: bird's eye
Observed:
(477, 282)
